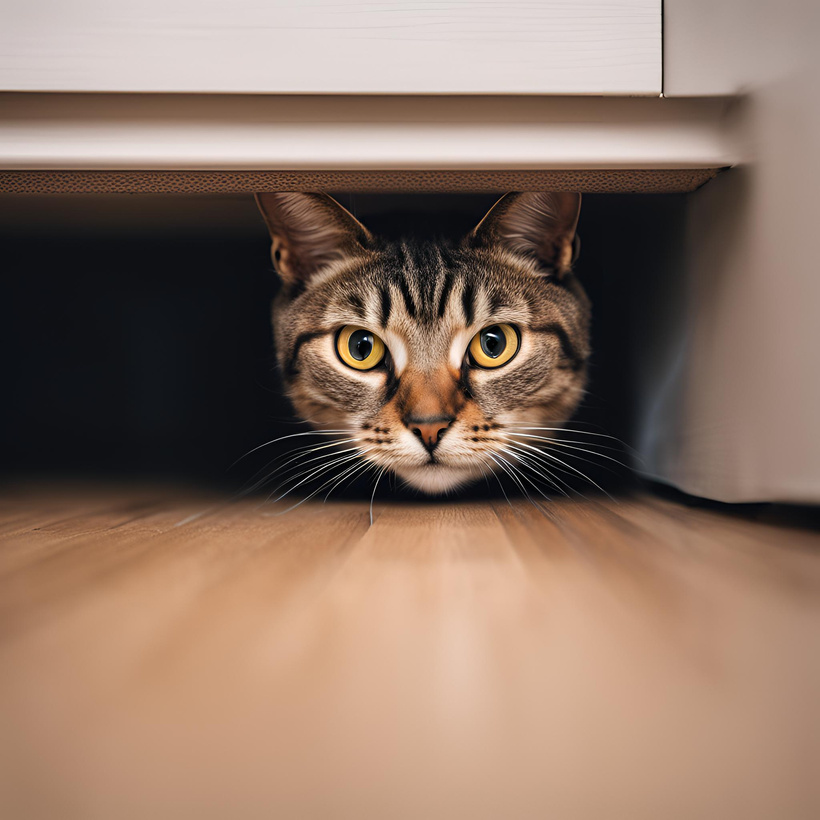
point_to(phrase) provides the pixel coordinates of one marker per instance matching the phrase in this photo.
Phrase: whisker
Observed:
(560, 443)
(313, 494)
(575, 431)
(294, 457)
(526, 478)
(316, 472)
(365, 465)
(300, 461)
(498, 481)
(348, 474)
(529, 498)
(533, 464)
(566, 430)
(373, 494)
(292, 435)
(514, 472)
(568, 466)
(536, 454)
(563, 441)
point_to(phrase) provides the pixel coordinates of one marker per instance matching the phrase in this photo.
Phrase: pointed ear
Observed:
(308, 231)
(538, 225)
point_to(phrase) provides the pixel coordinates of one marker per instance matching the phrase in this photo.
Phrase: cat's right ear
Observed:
(309, 231)
(539, 225)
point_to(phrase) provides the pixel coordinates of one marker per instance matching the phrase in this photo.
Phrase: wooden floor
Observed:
(164, 656)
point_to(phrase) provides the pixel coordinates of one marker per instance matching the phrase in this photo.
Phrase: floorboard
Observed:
(168, 654)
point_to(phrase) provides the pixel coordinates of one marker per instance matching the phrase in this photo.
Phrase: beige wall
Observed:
(727, 47)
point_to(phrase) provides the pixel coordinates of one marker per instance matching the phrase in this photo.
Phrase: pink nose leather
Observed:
(430, 433)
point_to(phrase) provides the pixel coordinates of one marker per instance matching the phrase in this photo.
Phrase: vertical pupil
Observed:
(360, 345)
(493, 341)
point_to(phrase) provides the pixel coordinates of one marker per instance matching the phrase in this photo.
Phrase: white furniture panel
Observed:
(731, 402)
(731, 399)
(102, 131)
(332, 46)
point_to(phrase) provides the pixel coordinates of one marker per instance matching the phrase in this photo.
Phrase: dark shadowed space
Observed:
(135, 337)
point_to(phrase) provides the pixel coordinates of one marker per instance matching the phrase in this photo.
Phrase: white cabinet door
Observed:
(332, 46)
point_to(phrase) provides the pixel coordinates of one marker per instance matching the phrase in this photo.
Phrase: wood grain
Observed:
(171, 655)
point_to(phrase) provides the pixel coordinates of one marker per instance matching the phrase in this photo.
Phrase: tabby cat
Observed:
(431, 359)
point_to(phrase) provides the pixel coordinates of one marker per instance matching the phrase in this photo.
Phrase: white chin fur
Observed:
(436, 478)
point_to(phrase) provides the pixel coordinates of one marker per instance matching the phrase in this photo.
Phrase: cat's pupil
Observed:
(493, 341)
(360, 344)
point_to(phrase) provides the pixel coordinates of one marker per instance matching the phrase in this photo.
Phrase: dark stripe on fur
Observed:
(497, 301)
(356, 303)
(468, 302)
(445, 295)
(567, 348)
(386, 305)
(408, 297)
(290, 367)
(392, 385)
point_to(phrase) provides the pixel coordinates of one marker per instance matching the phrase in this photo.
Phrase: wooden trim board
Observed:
(108, 132)
(212, 182)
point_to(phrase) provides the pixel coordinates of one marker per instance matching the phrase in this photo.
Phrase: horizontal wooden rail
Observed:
(344, 135)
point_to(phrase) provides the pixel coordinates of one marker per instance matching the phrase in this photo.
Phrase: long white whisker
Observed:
(373, 494)
(539, 469)
(526, 478)
(300, 461)
(537, 454)
(350, 473)
(364, 466)
(513, 472)
(565, 430)
(317, 472)
(576, 431)
(316, 491)
(278, 471)
(555, 458)
(293, 435)
(560, 443)
(501, 462)
(561, 440)
(498, 481)
(526, 494)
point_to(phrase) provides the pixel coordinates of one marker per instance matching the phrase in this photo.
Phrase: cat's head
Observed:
(430, 356)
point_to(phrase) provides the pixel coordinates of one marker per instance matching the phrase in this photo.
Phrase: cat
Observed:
(431, 359)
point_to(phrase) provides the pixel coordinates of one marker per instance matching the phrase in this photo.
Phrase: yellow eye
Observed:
(359, 348)
(494, 346)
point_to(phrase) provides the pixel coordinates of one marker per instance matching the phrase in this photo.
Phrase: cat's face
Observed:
(427, 355)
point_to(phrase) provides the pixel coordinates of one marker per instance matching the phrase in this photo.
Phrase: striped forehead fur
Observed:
(424, 282)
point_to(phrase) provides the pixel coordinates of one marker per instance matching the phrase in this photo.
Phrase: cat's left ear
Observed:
(309, 231)
(538, 225)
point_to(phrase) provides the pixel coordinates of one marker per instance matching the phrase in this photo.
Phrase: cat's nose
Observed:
(429, 430)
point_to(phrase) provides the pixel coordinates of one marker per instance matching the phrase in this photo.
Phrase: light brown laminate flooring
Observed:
(164, 655)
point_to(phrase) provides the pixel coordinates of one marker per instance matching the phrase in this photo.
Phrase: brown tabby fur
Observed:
(427, 301)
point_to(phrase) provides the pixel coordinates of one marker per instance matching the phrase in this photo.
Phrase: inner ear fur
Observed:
(309, 231)
(538, 225)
